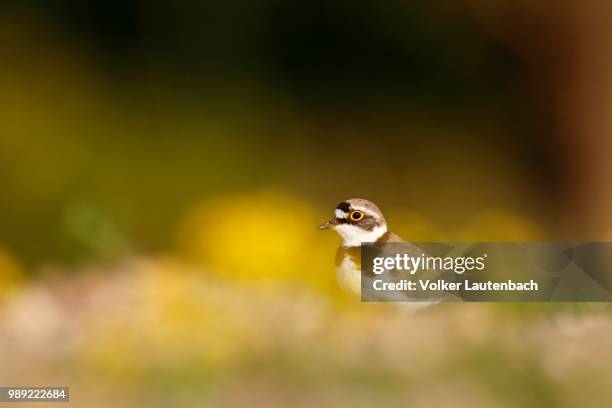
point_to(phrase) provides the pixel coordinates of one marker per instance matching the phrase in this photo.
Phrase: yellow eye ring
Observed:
(356, 215)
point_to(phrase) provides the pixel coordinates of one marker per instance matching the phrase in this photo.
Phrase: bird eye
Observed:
(356, 215)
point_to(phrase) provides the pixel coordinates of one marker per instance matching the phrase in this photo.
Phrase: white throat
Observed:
(353, 236)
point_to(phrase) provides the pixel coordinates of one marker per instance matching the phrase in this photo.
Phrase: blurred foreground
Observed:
(156, 332)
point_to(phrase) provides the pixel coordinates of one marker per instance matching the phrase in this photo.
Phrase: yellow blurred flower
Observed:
(264, 236)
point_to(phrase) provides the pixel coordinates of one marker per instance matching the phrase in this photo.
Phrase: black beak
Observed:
(327, 224)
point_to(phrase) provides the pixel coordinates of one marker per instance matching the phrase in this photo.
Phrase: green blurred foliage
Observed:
(140, 111)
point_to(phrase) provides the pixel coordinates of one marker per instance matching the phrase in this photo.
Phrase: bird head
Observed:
(357, 220)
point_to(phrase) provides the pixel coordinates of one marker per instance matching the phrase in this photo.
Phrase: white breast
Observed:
(349, 276)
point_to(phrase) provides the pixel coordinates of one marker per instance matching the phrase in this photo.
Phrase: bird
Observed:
(359, 221)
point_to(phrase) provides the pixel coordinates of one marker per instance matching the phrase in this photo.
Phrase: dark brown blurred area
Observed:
(566, 50)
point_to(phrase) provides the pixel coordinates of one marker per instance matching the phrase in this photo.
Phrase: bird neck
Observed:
(353, 236)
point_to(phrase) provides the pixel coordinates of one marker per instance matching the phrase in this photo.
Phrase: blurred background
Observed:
(163, 166)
